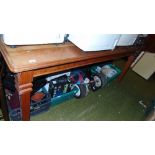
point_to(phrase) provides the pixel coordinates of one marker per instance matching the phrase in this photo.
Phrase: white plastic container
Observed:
(28, 39)
(127, 39)
(95, 42)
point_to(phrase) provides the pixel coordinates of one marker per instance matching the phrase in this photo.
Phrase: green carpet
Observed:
(116, 101)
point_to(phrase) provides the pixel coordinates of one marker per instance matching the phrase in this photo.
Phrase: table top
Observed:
(26, 58)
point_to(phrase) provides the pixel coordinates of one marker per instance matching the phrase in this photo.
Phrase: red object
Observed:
(38, 96)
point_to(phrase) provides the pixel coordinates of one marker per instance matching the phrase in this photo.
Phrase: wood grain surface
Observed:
(25, 58)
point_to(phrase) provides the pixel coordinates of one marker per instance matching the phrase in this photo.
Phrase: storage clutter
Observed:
(40, 102)
(54, 89)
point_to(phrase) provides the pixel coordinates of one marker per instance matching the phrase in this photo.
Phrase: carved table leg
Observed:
(24, 86)
(127, 66)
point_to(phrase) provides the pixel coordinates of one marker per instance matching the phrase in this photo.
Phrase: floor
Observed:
(116, 101)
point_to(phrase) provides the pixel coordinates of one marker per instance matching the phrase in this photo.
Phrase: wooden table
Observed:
(33, 61)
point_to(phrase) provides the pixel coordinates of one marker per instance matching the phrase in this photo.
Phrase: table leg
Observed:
(127, 66)
(23, 82)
